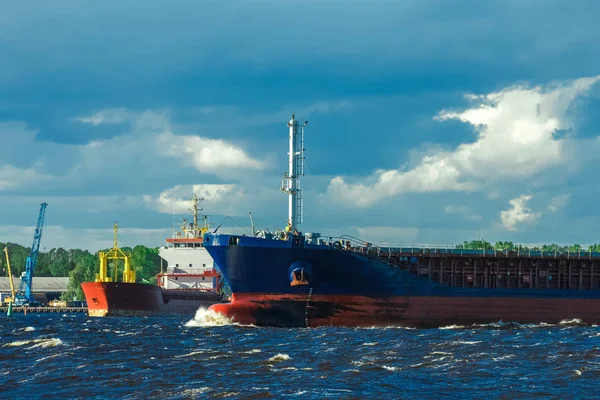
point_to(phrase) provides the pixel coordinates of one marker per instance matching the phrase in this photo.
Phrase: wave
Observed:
(193, 353)
(47, 342)
(516, 325)
(453, 327)
(208, 318)
(279, 358)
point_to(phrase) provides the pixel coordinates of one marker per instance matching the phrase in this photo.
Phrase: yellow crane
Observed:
(115, 254)
(12, 286)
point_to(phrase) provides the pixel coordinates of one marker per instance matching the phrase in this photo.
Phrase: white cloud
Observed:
(153, 128)
(432, 175)
(140, 165)
(205, 154)
(23, 161)
(149, 149)
(516, 138)
(177, 200)
(12, 177)
(463, 211)
(557, 203)
(220, 199)
(519, 213)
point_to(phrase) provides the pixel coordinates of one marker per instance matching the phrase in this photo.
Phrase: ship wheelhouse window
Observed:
(203, 265)
(197, 244)
(190, 265)
(176, 265)
(202, 278)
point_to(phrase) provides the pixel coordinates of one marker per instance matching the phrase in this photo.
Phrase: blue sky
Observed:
(429, 121)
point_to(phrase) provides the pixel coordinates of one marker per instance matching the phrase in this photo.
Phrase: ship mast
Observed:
(195, 211)
(291, 181)
(193, 228)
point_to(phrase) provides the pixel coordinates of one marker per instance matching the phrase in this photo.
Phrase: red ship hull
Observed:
(138, 299)
(414, 311)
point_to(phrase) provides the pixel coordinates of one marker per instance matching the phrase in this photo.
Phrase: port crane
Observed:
(25, 293)
(12, 286)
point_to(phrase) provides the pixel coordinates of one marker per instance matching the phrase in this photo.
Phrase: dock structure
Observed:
(491, 268)
(27, 310)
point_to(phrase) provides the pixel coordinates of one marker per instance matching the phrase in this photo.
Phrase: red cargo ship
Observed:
(131, 299)
(190, 281)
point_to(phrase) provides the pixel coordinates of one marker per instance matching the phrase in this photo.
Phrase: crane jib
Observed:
(25, 290)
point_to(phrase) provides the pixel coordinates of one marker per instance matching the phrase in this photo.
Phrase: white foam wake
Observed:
(207, 318)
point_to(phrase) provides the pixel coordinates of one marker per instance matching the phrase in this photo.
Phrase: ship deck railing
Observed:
(388, 248)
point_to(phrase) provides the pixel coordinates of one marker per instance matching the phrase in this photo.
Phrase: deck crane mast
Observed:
(25, 294)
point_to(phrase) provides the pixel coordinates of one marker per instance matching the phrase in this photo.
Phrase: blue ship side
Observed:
(258, 274)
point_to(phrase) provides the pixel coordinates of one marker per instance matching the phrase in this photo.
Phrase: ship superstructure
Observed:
(190, 280)
(189, 266)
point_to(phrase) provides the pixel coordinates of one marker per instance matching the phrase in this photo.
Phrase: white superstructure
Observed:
(188, 264)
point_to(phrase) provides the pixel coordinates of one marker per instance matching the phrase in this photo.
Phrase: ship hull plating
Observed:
(138, 299)
(421, 312)
(349, 289)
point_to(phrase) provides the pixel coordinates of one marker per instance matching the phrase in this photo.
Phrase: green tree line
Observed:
(510, 246)
(79, 265)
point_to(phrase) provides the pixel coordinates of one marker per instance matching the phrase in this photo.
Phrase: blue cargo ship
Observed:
(288, 279)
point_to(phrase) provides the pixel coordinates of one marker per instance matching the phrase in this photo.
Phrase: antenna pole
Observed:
(196, 230)
(252, 222)
(291, 181)
(115, 228)
(195, 210)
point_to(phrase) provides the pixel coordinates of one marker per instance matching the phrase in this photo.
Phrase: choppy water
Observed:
(74, 356)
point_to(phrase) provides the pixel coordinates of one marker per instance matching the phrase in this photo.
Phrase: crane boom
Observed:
(12, 286)
(27, 279)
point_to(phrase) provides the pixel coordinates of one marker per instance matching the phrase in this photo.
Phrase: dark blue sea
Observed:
(72, 356)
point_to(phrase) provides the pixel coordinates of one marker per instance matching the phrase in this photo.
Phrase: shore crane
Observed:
(25, 293)
(12, 286)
